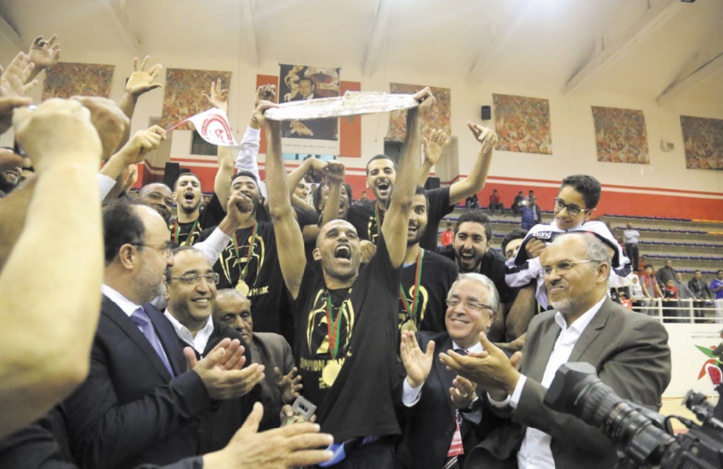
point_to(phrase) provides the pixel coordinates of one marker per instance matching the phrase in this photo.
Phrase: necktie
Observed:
(141, 319)
(455, 447)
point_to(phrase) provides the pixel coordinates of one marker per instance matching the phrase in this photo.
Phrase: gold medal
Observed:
(330, 372)
(409, 326)
(242, 288)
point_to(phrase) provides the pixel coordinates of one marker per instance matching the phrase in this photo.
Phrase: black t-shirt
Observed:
(492, 266)
(437, 276)
(364, 219)
(359, 401)
(208, 218)
(262, 281)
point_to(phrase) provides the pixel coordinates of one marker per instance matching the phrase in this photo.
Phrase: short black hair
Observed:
(186, 173)
(588, 186)
(420, 191)
(475, 216)
(121, 225)
(517, 233)
(648, 265)
(316, 194)
(381, 157)
(247, 174)
(307, 79)
(176, 251)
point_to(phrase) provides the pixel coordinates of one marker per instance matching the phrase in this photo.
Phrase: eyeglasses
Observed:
(212, 278)
(165, 250)
(573, 210)
(564, 266)
(471, 305)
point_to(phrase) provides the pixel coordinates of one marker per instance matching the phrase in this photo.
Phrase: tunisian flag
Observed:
(213, 127)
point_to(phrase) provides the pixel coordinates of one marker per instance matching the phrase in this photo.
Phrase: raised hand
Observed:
(265, 93)
(12, 81)
(334, 172)
(108, 119)
(487, 137)
(220, 374)
(141, 143)
(418, 364)
(258, 115)
(59, 131)
(7, 106)
(141, 81)
(434, 145)
(289, 384)
(218, 97)
(44, 54)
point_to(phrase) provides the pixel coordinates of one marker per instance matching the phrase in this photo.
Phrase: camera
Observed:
(645, 437)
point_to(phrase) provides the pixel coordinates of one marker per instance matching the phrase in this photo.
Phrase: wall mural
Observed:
(620, 135)
(522, 124)
(67, 79)
(703, 142)
(439, 117)
(183, 95)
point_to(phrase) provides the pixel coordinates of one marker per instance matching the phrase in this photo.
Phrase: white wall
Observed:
(573, 135)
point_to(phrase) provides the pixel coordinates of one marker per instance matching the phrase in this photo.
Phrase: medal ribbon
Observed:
(177, 231)
(333, 326)
(418, 277)
(249, 252)
(377, 219)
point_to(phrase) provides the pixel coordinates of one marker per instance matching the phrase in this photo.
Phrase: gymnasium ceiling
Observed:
(662, 50)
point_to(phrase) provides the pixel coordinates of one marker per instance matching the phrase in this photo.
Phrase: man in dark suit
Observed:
(271, 350)
(190, 292)
(629, 351)
(139, 404)
(440, 411)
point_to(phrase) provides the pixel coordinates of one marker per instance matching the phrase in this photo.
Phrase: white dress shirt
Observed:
(200, 340)
(535, 451)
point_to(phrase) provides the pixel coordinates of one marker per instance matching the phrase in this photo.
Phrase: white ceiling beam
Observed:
(249, 32)
(119, 18)
(379, 34)
(654, 17)
(499, 43)
(9, 33)
(703, 72)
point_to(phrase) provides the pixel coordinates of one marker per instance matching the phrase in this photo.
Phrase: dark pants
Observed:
(632, 251)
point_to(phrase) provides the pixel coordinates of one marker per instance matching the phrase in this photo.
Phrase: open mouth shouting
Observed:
(383, 188)
(343, 251)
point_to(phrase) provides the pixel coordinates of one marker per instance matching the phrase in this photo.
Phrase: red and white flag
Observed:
(213, 127)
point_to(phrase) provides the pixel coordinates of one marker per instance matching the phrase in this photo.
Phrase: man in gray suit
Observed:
(629, 351)
(272, 351)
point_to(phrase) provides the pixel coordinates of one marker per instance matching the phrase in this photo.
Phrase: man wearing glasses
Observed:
(140, 402)
(574, 205)
(629, 351)
(190, 293)
(441, 411)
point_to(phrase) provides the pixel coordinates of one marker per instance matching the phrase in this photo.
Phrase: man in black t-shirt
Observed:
(190, 220)
(382, 174)
(426, 276)
(341, 308)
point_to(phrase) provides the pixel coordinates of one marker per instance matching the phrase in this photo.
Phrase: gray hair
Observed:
(596, 251)
(492, 295)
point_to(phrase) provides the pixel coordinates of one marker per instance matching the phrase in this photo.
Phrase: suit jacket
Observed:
(631, 354)
(271, 350)
(429, 425)
(130, 410)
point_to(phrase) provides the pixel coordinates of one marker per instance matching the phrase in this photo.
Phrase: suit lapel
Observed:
(169, 339)
(128, 327)
(592, 331)
(536, 364)
(441, 373)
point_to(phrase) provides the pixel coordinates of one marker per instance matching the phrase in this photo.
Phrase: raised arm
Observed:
(139, 83)
(134, 152)
(434, 145)
(476, 180)
(334, 176)
(395, 224)
(247, 158)
(46, 338)
(289, 241)
(218, 98)
(43, 54)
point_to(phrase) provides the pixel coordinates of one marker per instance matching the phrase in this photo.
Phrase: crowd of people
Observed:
(274, 329)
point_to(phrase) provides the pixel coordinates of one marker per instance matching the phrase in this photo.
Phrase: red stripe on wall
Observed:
(350, 127)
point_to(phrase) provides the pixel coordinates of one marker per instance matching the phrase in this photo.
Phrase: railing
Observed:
(683, 310)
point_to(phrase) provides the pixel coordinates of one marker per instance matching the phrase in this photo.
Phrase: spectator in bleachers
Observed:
(518, 203)
(716, 286)
(471, 202)
(530, 214)
(666, 273)
(636, 294)
(630, 237)
(684, 293)
(670, 301)
(495, 203)
(651, 289)
(447, 236)
(701, 293)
